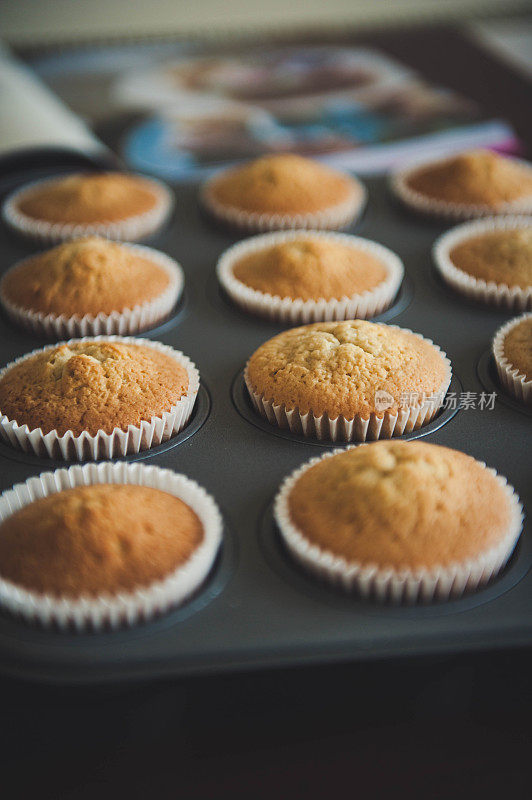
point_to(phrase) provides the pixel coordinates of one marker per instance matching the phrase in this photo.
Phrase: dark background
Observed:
(421, 728)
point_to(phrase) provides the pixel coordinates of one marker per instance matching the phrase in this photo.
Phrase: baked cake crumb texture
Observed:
(337, 367)
(284, 184)
(91, 386)
(401, 505)
(479, 177)
(503, 257)
(310, 269)
(517, 347)
(95, 540)
(86, 276)
(90, 198)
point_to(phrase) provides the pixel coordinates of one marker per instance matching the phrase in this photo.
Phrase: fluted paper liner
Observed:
(331, 218)
(284, 309)
(512, 298)
(129, 229)
(394, 585)
(126, 322)
(124, 608)
(513, 380)
(447, 210)
(148, 434)
(378, 425)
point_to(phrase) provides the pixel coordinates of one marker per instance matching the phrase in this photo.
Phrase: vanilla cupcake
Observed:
(348, 381)
(283, 191)
(298, 277)
(105, 545)
(96, 398)
(512, 351)
(477, 183)
(400, 521)
(489, 261)
(110, 204)
(91, 286)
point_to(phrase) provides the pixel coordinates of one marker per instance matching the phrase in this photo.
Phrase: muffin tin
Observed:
(257, 609)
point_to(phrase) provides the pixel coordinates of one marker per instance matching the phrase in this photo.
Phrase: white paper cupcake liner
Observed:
(383, 424)
(332, 218)
(47, 233)
(126, 322)
(388, 584)
(284, 309)
(446, 210)
(125, 608)
(512, 298)
(134, 439)
(511, 378)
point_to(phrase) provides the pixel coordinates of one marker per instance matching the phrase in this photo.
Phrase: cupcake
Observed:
(512, 351)
(96, 398)
(401, 521)
(111, 544)
(283, 191)
(348, 381)
(299, 277)
(110, 204)
(489, 260)
(472, 184)
(91, 286)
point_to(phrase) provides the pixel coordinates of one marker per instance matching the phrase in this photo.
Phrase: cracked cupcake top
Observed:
(502, 256)
(400, 505)
(283, 184)
(337, 367)
(90, 198)
(91, 386)
(85, 276)
(310, 269)
(479, 177)
(95, 540)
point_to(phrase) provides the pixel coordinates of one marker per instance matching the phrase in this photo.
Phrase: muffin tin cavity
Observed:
(221, 301)
(257, 608)
(467, 302)
(487, 373)
(290, 571)
(176, 316)
(210, 589)
(199, 415)
(242, 403)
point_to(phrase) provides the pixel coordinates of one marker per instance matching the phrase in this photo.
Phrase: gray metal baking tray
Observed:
(257, 609)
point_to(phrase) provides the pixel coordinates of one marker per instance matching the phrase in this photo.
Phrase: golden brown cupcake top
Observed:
(502, 256)
(400, 505)
(479, 177)
(91, 198)
(337, 367)
(517, 347)
(91, 386)
(86, 276)
(310, 269)
(96, 540)
(283, 184)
